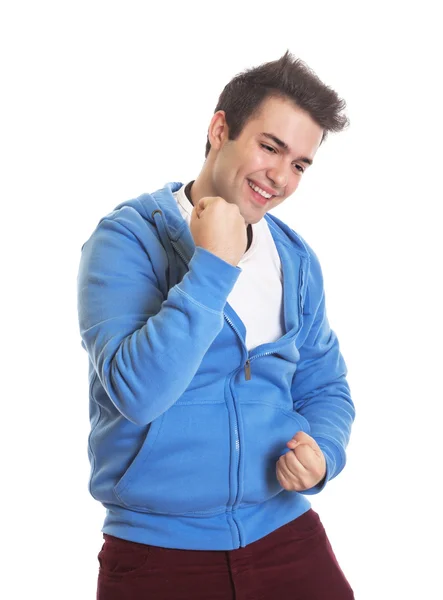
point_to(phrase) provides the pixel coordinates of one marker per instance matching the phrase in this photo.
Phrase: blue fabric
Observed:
(183, 447)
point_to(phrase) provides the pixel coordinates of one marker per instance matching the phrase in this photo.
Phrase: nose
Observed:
(278, 176)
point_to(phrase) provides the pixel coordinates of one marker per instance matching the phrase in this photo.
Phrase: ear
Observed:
(218, 132)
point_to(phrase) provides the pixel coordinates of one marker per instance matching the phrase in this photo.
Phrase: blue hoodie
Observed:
(187, 424)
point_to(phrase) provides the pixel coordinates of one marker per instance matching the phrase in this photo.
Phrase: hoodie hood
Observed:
(160, 210)
(162, 200)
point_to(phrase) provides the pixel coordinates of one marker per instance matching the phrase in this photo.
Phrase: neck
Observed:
(202, 186)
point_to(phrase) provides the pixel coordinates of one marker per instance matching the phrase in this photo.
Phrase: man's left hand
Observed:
(304, 466)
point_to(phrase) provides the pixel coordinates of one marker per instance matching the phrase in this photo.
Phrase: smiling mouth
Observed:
(258, 194)
(258, 190)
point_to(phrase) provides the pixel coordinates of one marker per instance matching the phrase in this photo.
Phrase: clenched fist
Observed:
(304, 466)
(217, 226)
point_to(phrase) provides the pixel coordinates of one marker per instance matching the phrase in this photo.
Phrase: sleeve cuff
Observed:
(330, 453)
(209, 280)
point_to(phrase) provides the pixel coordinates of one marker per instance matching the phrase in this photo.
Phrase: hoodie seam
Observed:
(211, 310)
(115, 218)
(287, 411)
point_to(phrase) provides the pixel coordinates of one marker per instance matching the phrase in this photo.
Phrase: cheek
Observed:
(255, 161)
(223, 172)
(263, 163)
(294, 184)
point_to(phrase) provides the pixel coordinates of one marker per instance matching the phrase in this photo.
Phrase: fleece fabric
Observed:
(187, 424)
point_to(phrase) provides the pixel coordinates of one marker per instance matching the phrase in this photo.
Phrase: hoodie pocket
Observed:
(266, 430)
(183, 465)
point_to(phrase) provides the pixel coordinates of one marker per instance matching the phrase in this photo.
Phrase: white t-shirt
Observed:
(257, 296)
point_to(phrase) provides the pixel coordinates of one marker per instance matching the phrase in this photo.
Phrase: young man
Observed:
(218, 398)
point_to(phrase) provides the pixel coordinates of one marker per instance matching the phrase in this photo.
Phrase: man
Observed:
(218, 398)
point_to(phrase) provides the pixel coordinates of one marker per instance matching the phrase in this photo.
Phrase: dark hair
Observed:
(286, 77)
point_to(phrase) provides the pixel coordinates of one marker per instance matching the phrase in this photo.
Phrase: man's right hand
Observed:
(218, 226)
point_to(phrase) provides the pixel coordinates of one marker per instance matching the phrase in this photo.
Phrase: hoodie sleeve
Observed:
(146, 348)
(319, 390)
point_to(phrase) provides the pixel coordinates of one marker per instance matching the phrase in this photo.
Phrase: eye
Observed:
(299, 168)
(268, 148)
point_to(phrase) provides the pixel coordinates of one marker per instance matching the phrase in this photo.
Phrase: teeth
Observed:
(259, 191)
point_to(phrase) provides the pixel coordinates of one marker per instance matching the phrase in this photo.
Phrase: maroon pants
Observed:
(295, 562)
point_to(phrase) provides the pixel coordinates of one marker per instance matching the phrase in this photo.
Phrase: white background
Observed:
(104, 101)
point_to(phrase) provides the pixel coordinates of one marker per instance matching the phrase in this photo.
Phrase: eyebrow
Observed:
(285, 146)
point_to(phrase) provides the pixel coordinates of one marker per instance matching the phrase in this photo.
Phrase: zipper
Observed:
(248, 375)
(236, 435)
(247, 364)
(248, 360)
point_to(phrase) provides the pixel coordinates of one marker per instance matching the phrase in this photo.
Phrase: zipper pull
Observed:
(248, 370)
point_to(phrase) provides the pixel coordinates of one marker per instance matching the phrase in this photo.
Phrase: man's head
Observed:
(267, 127)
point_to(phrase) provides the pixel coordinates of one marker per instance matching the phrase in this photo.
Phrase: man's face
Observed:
(258, 158)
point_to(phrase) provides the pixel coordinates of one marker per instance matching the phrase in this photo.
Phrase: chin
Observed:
(249, 220)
